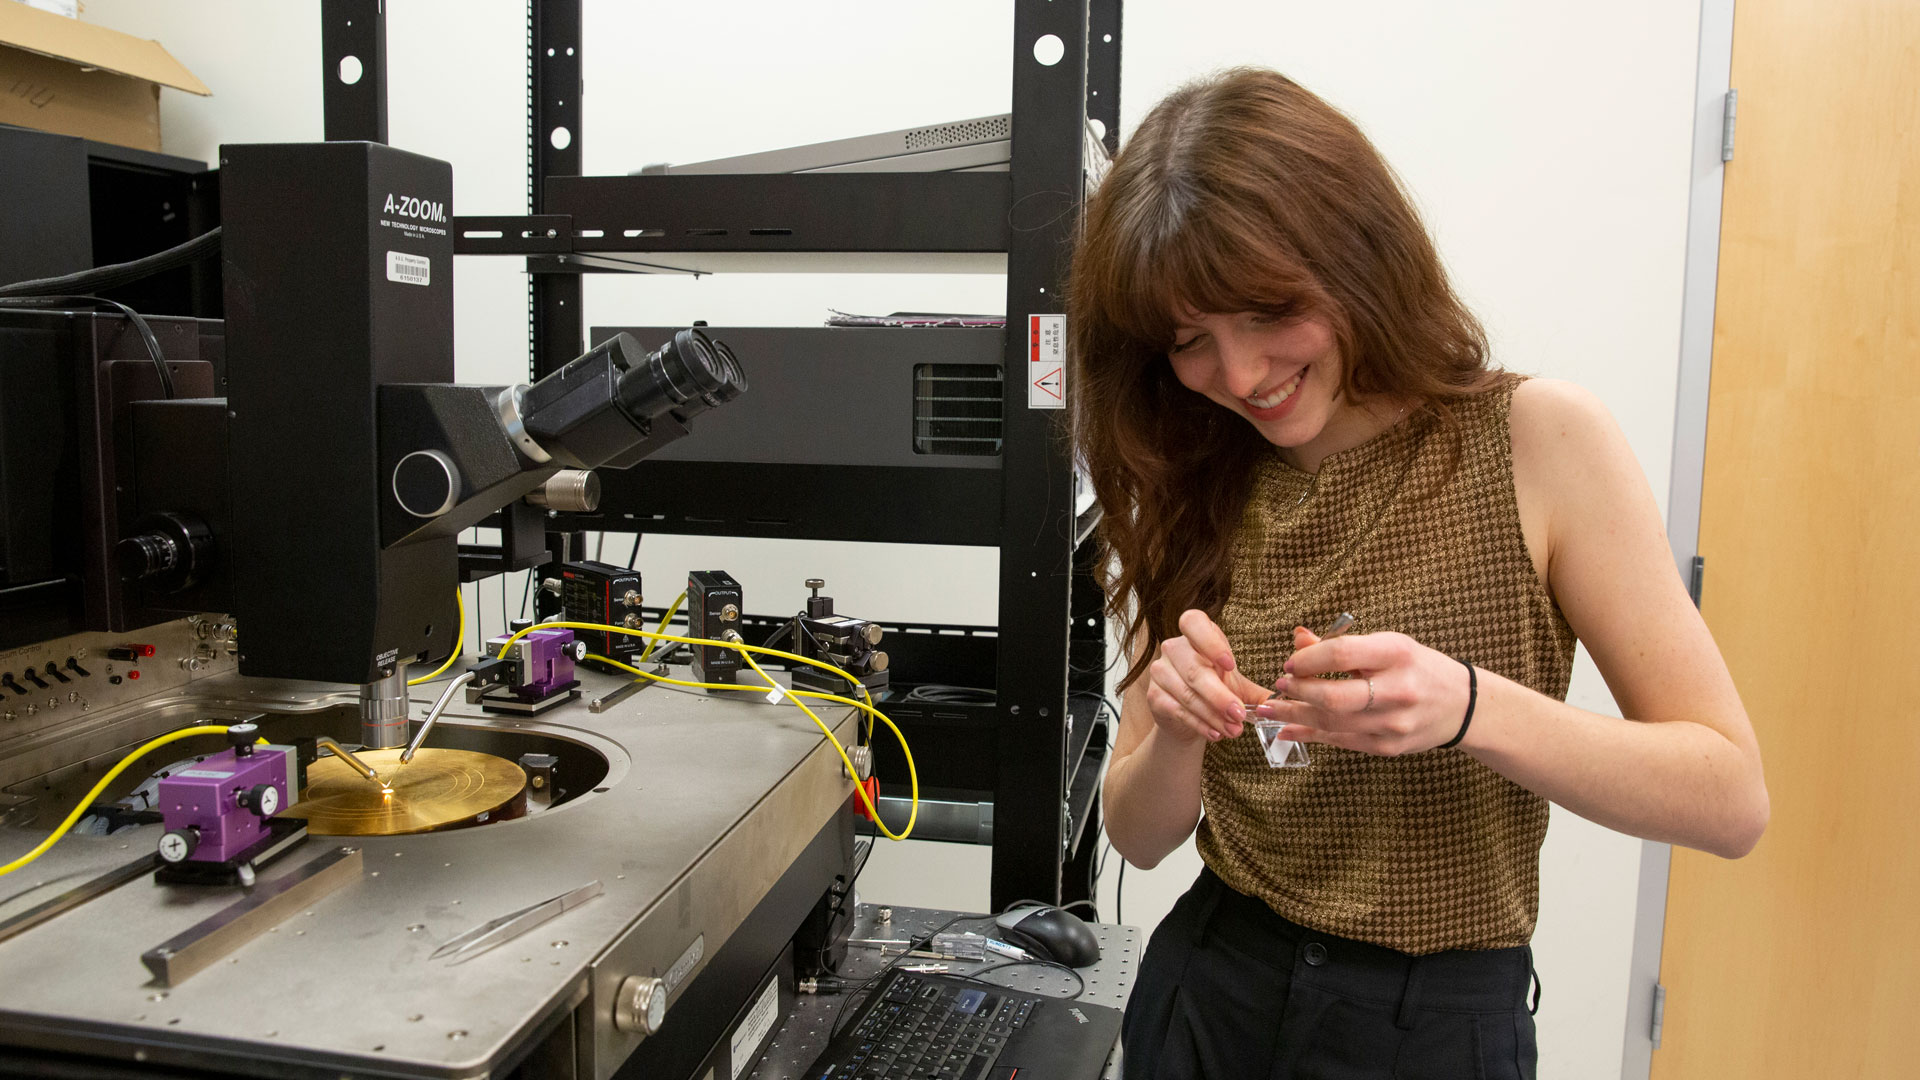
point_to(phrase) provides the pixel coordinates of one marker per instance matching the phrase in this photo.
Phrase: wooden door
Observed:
(1803, 960)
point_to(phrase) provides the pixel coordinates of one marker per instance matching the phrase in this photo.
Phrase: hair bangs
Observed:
(1212, 261)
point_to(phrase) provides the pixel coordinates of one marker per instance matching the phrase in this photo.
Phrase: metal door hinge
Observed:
(1697, 579)
(1659, 1014)
(1728, 111)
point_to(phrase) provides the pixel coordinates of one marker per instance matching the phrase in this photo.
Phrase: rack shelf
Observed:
(786, 213)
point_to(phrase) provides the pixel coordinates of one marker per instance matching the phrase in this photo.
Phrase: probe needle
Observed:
(1341, 623)
(353, 762)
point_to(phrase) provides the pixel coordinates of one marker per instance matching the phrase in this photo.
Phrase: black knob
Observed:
(7, 681)
(33, 677)
(54, 671)
(177, 844)
(426, 483)
(73, 665)
(262, 799)
(241, 736)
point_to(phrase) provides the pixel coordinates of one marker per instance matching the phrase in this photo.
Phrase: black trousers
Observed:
(1229, 990)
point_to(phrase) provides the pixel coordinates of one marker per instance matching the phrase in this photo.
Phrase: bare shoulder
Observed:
(1573, 470)
(1562, 432)
(1554, 413)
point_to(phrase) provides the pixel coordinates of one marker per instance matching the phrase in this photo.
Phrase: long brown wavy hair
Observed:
(1239, 192)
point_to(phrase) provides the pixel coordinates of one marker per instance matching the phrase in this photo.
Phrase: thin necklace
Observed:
(1311, 592)
(1313, 483)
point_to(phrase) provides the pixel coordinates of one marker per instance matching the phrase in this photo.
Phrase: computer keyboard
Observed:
(927, 1026)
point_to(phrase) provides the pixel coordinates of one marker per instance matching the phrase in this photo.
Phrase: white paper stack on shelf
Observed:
(915, 318)
(982, 144)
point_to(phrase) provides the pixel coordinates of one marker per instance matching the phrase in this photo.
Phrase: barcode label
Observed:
(409, 269)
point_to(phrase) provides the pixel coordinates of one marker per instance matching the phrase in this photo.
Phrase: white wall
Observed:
(1546, 143)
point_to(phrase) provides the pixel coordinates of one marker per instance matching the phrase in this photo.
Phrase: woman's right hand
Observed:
(1194, 689)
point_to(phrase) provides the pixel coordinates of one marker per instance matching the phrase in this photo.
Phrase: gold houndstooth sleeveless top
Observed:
(1428, 851)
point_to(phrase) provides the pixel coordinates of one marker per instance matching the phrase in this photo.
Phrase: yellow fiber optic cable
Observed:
(460, 603)
(78, 811)
(738, 647)
(665, 620)
(913, 773)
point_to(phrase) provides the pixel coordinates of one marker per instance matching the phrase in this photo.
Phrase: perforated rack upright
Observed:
(1032, 761)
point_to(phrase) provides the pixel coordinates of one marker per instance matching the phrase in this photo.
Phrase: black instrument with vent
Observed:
(851, 432)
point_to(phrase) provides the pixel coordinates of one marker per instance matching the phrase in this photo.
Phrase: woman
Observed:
(1288, 414)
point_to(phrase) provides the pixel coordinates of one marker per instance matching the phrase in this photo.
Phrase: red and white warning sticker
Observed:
(1046, 361)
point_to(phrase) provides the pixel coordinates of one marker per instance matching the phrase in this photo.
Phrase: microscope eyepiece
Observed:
(736, 381)
(688, 375)
(609, 406)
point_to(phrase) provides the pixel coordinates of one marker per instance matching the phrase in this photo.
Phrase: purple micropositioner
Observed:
(546, 664)
(221, 799)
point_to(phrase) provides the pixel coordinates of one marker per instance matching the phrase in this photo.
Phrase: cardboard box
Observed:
(75, 78)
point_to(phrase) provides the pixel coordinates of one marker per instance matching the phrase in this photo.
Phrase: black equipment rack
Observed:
(1037, 752)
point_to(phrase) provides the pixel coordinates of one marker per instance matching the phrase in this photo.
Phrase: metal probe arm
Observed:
(347, 756)
(433, 714)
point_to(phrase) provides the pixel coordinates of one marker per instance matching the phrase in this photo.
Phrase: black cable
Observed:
(1069, 906)
(859, 867)
(819, 650)
(1112, 709)
(118, 274)
(914, 944)
(636, 550)
(975, 976)
(526, 592)
(840, 1011)
(780, 635)
(800, 622)
(147, 338)
(479, 635)
(1120, 893)
(831, 984)
(862, 856)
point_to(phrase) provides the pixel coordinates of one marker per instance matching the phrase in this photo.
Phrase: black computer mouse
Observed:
(1050, 934)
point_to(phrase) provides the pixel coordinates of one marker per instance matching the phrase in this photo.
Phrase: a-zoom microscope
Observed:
(321, 498)
(208, 773)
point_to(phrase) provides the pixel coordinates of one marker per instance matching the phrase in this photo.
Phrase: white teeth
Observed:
(1278, 396)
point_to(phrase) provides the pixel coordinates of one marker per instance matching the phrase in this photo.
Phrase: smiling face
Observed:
(1281, 373)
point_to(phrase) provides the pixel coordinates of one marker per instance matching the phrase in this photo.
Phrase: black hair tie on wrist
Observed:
(1473, 694)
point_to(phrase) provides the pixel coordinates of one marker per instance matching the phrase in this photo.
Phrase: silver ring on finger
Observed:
(1369, 705)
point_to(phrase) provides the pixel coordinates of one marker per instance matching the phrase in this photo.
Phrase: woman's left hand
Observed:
(1402, 698)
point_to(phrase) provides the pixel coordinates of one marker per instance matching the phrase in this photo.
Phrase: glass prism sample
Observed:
(1281, 753)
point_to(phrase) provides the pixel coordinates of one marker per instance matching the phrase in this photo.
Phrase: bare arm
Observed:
(1191, 694)
(1684, 768)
